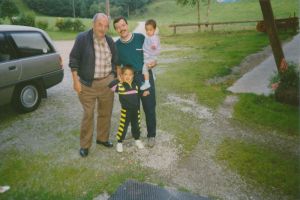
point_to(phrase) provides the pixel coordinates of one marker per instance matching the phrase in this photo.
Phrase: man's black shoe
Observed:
(106, 144)
(83, 152)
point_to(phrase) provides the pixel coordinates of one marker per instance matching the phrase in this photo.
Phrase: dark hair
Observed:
(127, 67)
(118, 19)
(151, 22)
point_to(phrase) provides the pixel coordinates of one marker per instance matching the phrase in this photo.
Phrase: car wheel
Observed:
(27, 97)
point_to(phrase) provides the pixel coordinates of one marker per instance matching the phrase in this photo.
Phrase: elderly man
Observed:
(92, 61)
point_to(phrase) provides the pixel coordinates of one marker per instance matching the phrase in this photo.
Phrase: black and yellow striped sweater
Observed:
(128, 94)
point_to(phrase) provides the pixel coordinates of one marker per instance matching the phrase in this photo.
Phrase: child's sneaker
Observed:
(145, 86)
(119, 147)
(151, 142)
(4, 188)
(139, 144)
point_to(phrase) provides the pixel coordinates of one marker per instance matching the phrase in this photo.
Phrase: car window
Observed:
(6, 52)
(30, 44)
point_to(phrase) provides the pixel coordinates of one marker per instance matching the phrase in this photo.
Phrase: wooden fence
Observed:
(285, 23)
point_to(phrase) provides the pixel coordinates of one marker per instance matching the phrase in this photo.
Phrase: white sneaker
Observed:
(119, 147)
(151, 142)
(145, 86)
(139, 144)
(4, 188)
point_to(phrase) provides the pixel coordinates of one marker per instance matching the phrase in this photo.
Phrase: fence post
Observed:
(272, 32)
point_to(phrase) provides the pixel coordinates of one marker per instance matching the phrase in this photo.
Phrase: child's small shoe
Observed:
(145, 86)
(4, 188)
(151, 142)
(119, 147)
(139, 144)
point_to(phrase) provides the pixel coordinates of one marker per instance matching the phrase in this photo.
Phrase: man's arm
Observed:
(74, 65)
(76, 82)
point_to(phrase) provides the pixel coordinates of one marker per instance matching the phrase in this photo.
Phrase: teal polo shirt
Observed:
(131, 52)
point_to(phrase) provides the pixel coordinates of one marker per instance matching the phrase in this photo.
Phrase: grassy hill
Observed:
(167, 11)
(23, 8)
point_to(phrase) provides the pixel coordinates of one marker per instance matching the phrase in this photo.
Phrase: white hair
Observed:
(100, 15)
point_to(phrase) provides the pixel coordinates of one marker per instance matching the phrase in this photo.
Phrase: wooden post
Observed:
(198, 11)
(208, 11)
(267, 11)
(73, 5)
(107, 8)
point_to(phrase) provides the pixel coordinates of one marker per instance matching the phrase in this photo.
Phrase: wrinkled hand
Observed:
(146, 93)
(77, 86)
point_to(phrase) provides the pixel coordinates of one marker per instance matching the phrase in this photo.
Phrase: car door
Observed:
(36, 54)
(10, 66)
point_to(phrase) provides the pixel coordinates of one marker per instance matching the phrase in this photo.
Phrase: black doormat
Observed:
(133, 190)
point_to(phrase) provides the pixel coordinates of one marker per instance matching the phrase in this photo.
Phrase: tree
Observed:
(208, 10)
(97, 7)
(192, 3)
(83, 12)
(8, 9)
(130, 6)
(85, 8)
(197, 3)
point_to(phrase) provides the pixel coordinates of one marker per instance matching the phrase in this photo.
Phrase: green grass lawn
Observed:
(220, 12)
(265, 166)
(43, 177)
(264, 112)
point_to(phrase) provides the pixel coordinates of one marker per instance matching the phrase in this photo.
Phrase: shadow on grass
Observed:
(7, 116)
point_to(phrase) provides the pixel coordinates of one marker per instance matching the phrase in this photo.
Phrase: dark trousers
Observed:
(148, 103)
(129, 116)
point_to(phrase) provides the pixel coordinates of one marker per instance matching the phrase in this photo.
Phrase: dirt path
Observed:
(200, 173)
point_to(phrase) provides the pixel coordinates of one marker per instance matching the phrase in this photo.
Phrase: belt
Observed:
(99, 79)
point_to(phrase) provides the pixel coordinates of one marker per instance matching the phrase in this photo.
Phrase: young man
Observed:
(92, 62)
(130, 52)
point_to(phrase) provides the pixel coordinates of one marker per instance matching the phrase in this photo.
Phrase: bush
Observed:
(287, 89)
(69, 25)
(59, 23)
(43, 24)
(24, 19)
(78, 25)
(64, 25)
